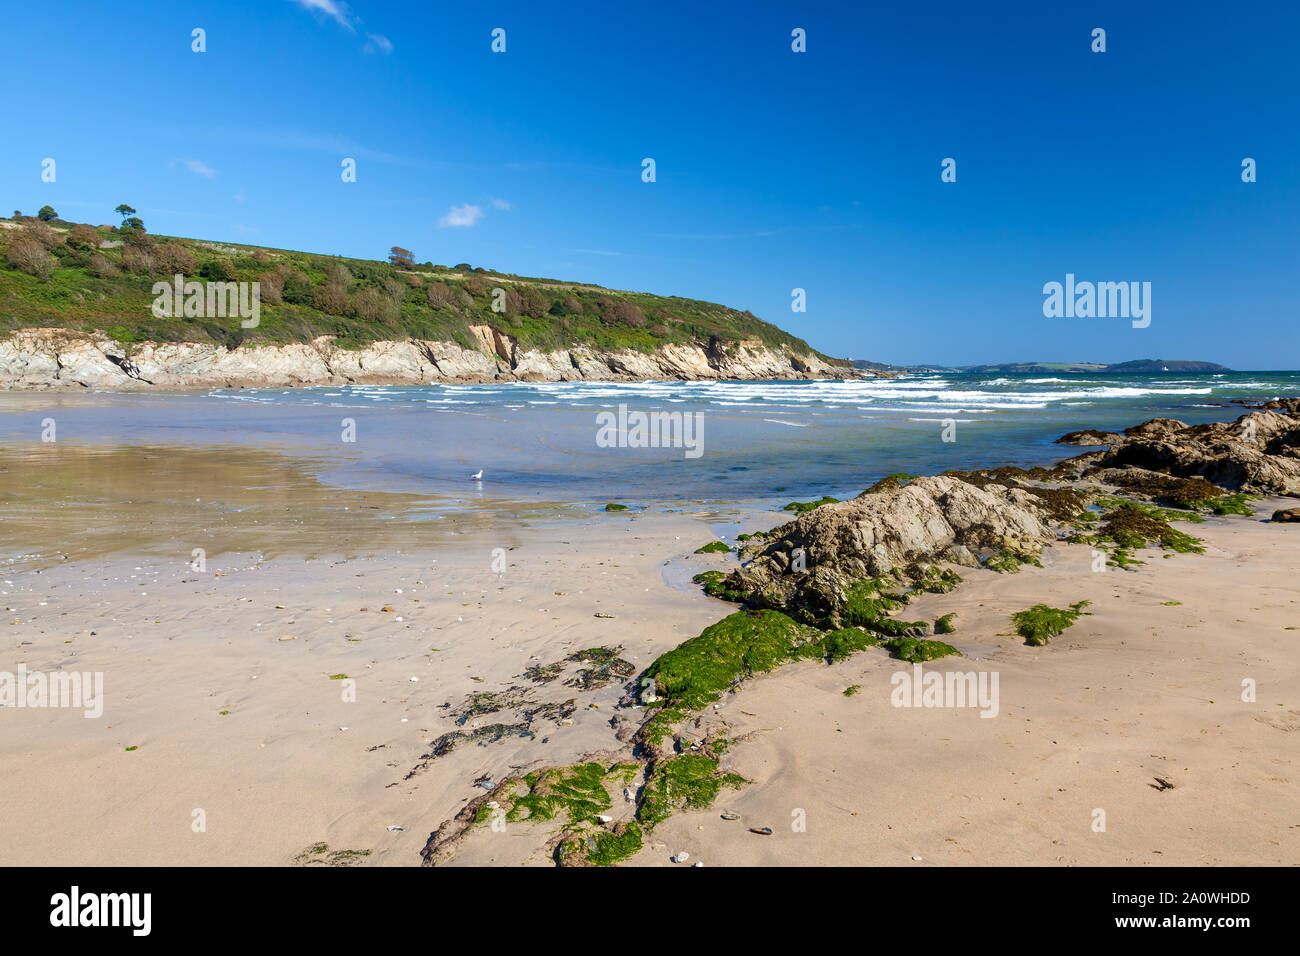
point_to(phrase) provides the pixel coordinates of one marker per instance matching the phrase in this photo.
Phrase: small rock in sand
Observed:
(681, 857)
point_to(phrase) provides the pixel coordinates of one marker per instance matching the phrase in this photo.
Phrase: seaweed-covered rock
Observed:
(1257, 453)
(809, 567)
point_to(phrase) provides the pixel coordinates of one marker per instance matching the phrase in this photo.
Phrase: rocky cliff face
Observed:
(52, 358)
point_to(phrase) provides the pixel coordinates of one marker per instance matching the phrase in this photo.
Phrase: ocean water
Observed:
(759, 442)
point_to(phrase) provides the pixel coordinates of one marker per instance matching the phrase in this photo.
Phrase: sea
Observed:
(760, 443)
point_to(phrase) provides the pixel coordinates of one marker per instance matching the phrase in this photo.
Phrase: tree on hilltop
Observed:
(402, 258)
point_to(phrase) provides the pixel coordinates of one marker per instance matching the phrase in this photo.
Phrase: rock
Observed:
(1090, 436)
(49, 358)
(761, 831)
(1258, 453)
(604, 818)
(1286, 514)
(729, 815)
(1156, 428)
(681, 857)
(928, 520)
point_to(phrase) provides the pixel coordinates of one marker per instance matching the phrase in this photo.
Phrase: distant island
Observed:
(1136, 366)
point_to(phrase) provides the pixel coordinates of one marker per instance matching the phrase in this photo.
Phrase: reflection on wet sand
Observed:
(62, 501)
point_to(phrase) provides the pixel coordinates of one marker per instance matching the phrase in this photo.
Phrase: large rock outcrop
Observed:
(52, 358)
(1257, 453)
(931, 519)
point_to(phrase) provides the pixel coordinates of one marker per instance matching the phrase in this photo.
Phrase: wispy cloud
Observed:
(500, 204)
(330, 8)
(464, 215)
(341, 14)
(239, 196)
(197, 166)
(595, 252)
(338, 146)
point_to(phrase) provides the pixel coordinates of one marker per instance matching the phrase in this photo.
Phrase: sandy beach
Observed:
(222, 679)
(229, 733)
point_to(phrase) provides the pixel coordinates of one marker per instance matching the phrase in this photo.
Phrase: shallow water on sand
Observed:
(760, 442)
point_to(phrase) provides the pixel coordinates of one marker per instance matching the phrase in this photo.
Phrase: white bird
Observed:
(477, 476)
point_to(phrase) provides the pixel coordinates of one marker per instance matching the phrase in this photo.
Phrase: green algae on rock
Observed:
(714, 547)
(1040, 623)
(1008, 561)
(914, 650)
(714, 584)
(799, 507)
(1131, 527)
(889, 483)
(598, 847)
(686, 782)
(697, 671)
(842, 643)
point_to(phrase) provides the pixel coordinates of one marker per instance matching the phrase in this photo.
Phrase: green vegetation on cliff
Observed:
(100, 278)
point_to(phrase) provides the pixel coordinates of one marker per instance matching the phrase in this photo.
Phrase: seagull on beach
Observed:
(477, 476)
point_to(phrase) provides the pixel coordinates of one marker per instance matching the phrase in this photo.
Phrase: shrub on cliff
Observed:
(137, 260)
(28, 255)
(271, 285)
(82, 236)
(374, 306)
(172, 259)
(102, 267)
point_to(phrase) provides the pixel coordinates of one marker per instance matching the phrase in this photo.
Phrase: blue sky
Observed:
(775, 169)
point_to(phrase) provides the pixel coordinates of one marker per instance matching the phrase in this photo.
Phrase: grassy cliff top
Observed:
(100, 278)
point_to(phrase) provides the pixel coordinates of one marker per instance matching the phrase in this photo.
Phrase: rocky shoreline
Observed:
(59, 358)
(831, 582)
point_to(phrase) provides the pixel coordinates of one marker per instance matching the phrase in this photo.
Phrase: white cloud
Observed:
(378, 43)
(500, 204)
(465, 215)
(331, 8)
(197, 166)
(239, 196)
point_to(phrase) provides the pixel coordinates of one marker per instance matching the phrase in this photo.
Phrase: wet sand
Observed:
(223, 682)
